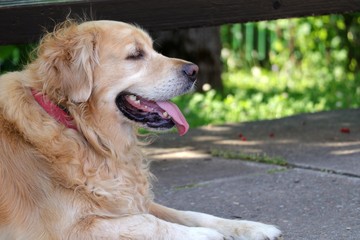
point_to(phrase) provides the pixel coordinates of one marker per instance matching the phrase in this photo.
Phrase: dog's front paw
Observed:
(247, 230)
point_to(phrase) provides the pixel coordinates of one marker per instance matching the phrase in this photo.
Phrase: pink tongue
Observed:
(179, 119)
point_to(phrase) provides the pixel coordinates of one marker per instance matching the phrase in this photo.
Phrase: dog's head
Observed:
(113, 66)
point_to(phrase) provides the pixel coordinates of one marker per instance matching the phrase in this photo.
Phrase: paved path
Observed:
(315, 196)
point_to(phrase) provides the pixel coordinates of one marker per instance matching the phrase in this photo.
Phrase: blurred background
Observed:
(261, 70)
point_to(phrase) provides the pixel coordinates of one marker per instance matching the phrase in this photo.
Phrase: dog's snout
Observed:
(191, 70)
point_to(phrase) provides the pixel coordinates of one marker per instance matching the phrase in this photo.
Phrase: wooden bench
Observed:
(23, 21)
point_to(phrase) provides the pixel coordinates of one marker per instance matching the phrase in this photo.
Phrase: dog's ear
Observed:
(67, 60)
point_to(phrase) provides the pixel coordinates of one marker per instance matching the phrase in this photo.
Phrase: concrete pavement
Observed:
(312, 193)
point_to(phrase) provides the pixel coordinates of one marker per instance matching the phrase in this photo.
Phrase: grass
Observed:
(258, 94)
(260, 158)
(187, 186)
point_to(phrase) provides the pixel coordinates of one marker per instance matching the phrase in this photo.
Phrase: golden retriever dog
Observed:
(71, 166)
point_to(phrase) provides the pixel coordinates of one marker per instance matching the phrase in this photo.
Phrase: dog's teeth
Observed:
(165, 114)
(132, 97)
(137, 102)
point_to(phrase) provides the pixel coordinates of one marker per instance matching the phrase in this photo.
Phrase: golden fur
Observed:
(93, 183)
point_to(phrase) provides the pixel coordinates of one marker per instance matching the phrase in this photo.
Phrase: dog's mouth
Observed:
(152, 114)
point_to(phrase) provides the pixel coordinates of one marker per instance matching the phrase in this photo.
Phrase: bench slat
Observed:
(25, 21)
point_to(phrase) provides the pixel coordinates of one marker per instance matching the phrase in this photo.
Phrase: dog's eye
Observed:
(137, 55)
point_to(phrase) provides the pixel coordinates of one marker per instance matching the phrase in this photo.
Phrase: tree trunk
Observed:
(198, 45)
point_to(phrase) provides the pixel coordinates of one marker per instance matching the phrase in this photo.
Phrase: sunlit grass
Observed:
(259, 94)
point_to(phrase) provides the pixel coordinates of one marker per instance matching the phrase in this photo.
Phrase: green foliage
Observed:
(310, 64)
(13, 57)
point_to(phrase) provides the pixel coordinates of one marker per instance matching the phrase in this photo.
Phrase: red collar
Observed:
(53, 110)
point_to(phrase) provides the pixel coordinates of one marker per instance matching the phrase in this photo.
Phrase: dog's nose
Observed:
(191, 71)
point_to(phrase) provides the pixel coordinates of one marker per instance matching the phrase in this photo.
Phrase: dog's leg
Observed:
(231, 229)
(140, 227)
